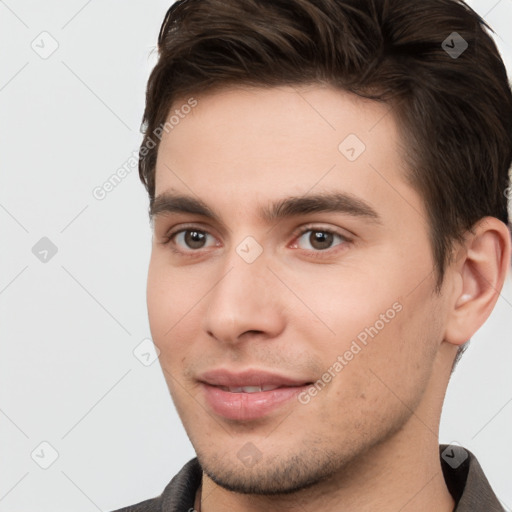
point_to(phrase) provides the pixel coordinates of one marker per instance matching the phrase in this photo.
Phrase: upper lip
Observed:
(251, 377)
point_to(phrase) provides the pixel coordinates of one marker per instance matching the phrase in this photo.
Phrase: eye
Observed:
(192, 239)
(315, 239)
(319, 239)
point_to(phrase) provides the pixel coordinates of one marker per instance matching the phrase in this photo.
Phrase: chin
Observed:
(275, 476)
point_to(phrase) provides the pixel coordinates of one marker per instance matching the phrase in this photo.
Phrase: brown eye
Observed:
(194, 239)
(319, 239)
(187, 240)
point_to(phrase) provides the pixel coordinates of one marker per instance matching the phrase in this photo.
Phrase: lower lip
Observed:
(247, 406)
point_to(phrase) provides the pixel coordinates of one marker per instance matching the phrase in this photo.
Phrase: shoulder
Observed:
(151, 505)
(178, 495)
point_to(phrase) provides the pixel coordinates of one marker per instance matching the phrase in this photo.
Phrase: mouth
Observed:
(248, 395)
(249, 389)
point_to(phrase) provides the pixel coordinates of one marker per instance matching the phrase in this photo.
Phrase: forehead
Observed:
(251, 145)
(315, 115)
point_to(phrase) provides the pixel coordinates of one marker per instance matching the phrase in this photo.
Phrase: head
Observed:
(377, 107)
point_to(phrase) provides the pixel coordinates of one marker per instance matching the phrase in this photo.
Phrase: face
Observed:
(287, 332)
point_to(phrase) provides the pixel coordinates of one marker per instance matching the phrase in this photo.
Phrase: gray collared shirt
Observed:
(463, 474)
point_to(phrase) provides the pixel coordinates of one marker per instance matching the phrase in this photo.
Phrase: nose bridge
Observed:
(243, 299)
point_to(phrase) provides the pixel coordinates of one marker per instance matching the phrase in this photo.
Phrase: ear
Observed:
(478, 274)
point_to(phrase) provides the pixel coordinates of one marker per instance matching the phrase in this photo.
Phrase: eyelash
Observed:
(168, 240)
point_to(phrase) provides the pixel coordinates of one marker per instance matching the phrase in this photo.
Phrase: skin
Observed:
(354, 445)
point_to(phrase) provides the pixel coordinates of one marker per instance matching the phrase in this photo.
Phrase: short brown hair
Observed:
(454, 111)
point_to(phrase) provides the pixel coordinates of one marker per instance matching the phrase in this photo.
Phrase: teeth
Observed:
(269, 387)
(249, 389)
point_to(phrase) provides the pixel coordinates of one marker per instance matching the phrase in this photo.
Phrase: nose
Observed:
(244, 302)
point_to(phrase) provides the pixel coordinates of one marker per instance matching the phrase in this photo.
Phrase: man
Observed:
(327, 183)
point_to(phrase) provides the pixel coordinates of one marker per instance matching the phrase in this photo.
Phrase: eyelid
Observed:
(297, 233)
(323, 228)
(172, 233)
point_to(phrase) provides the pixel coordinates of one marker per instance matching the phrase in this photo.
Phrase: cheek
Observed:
(157, 302)
(398, 361)
(167, 289)
(345, 306)
(380, 386)
(386, 336)
(166, 297)
(173, 302)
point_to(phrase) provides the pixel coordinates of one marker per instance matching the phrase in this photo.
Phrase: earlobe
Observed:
(481, 268)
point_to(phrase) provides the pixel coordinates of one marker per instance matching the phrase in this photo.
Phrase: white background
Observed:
(68, 375)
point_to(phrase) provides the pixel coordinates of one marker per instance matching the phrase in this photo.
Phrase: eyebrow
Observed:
(336, 202)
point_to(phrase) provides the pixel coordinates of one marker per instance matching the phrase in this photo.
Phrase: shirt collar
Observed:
(466, 480)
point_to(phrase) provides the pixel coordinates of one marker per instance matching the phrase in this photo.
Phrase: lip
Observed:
(250, 377)
(248, 406)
